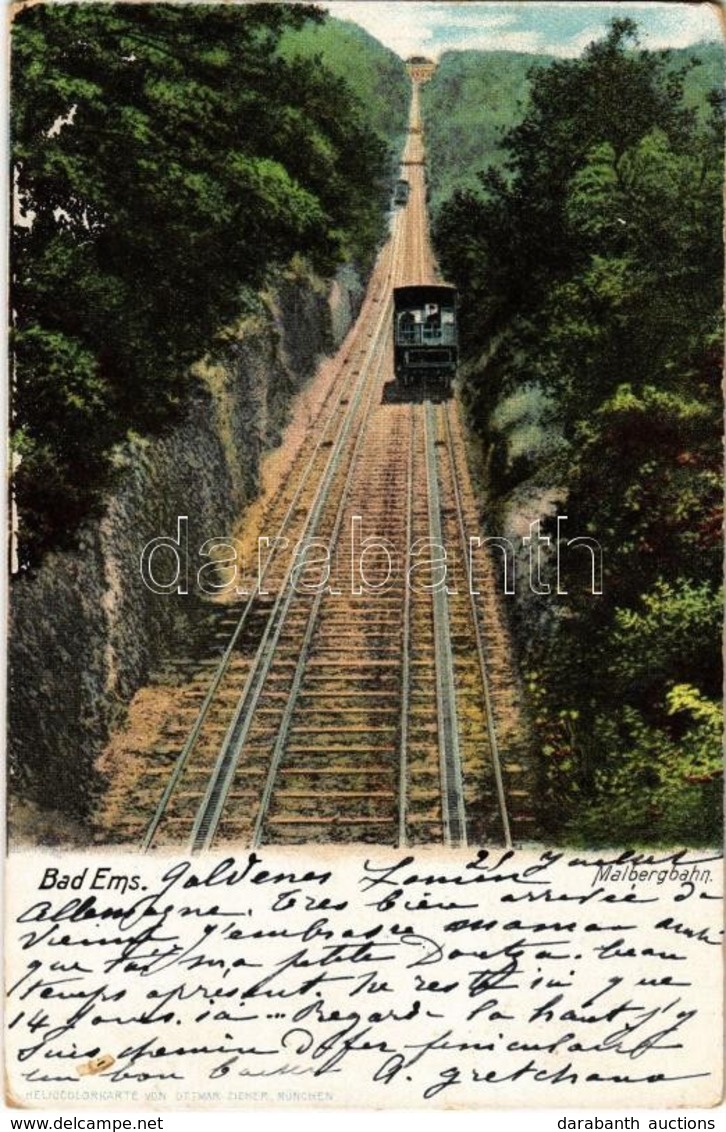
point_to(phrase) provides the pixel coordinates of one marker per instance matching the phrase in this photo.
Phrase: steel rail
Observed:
(312, 621)
(452, 790)
(406, 648)
(225, 660)
(480, 647)
(212, 805)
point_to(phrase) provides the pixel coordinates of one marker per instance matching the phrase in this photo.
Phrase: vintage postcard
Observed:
(364, 712)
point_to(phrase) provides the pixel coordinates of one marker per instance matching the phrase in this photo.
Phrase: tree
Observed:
(165, 157)
(593, 272)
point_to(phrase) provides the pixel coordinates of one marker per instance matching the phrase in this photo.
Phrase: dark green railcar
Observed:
(425, 334)
(401, 191)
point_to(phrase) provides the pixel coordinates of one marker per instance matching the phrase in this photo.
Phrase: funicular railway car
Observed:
(401, 191)
(425, 334)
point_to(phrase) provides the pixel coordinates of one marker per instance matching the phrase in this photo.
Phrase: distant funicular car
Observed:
(425, 333)
(400, 194)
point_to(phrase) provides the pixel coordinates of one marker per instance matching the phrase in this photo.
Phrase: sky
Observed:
(565, 27)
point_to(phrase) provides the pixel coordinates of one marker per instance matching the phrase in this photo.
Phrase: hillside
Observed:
(476, 96)
(375, 74)
(707, 76)
(473, 98)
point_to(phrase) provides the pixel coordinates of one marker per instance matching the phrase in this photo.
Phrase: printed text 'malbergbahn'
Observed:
(631, 874)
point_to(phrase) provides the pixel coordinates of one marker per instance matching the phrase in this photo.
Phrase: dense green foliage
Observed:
(591, 274)
(166, 158)
(472, 100)
(374, 73)
(702, 80)
(476, 97)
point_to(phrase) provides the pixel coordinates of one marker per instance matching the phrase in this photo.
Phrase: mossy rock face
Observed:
(86, 632)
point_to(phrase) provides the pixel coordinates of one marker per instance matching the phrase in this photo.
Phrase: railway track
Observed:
(301, 522)
(369, 698)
